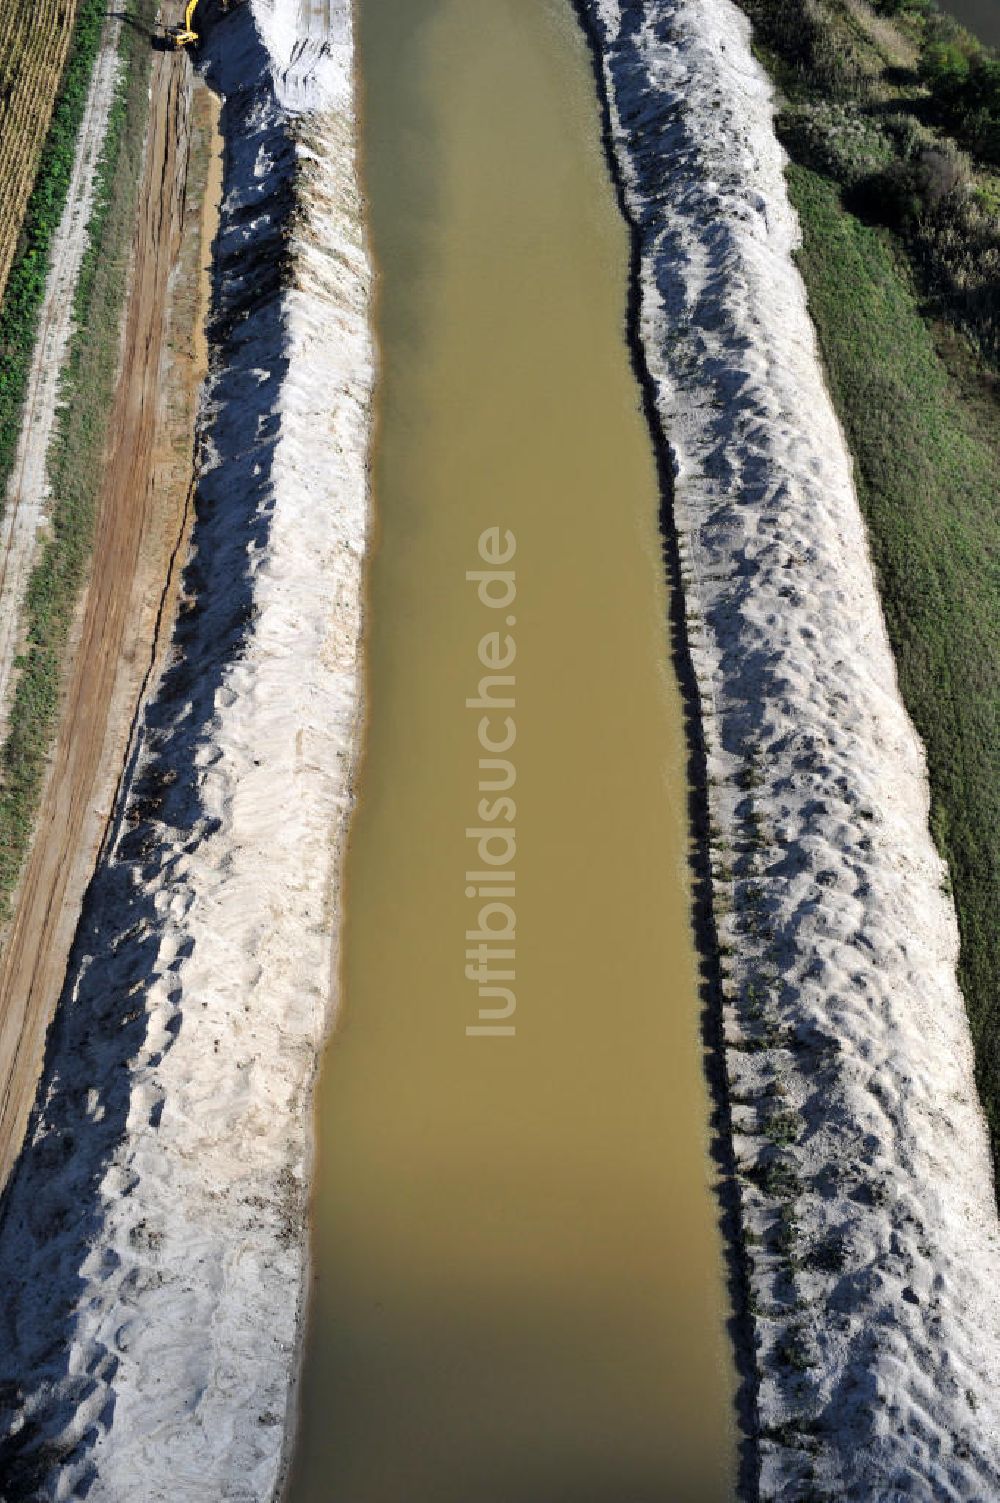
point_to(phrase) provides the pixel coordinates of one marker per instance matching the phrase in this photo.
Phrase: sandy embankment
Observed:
(153, 1245)
(864, 1172)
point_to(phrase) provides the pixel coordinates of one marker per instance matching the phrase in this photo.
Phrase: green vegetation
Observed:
(26, 285)
(791, 1350)
(35, 36)
(783, 1128)
(901, 260)
(75, 466)
(963, 78)
(880, 107)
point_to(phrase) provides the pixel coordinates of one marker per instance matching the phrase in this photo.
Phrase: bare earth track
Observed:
(141, 520)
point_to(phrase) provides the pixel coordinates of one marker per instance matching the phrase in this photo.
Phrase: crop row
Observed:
(25, 287)
(33, 44)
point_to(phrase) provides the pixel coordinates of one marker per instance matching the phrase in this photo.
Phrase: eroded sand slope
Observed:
(152, 1251)
(873, 1255)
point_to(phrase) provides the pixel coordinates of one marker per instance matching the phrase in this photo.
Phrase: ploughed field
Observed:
(34, 39)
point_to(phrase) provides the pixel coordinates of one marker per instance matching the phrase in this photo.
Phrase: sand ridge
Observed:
(865, 1177)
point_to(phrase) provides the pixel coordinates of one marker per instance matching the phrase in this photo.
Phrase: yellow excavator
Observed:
(184, 35)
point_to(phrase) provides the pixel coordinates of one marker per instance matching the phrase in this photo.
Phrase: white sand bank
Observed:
(153, 1242)
(877, 1288)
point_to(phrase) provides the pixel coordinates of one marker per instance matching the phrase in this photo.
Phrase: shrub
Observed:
(964, 82)
(910, 190)
(944, 67)
(937, 172)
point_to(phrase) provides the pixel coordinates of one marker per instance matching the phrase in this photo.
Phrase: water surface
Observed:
(520, 1293)
(982, 17)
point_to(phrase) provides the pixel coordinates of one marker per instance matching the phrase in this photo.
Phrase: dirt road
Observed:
(141, 524)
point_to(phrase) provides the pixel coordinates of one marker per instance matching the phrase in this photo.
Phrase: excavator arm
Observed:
(184, 35)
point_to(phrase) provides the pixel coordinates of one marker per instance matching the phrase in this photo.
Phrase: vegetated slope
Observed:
(34, 38)
(871, 1241)
(874, 99)
(901, 259)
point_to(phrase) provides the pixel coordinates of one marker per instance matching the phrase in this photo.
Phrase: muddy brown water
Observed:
(982, 17)
(519, 1293)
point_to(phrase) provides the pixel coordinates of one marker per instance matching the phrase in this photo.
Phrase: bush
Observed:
(937, 172)
(894, 168)
(908, 191)
(964, 81)
(944, 67)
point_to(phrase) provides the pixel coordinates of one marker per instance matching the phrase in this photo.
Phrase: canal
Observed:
(518, 1293)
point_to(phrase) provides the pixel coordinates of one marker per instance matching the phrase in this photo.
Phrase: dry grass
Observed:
(899, 49)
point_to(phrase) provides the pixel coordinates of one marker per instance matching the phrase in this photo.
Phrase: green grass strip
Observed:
(928, 474)
(75, 465)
